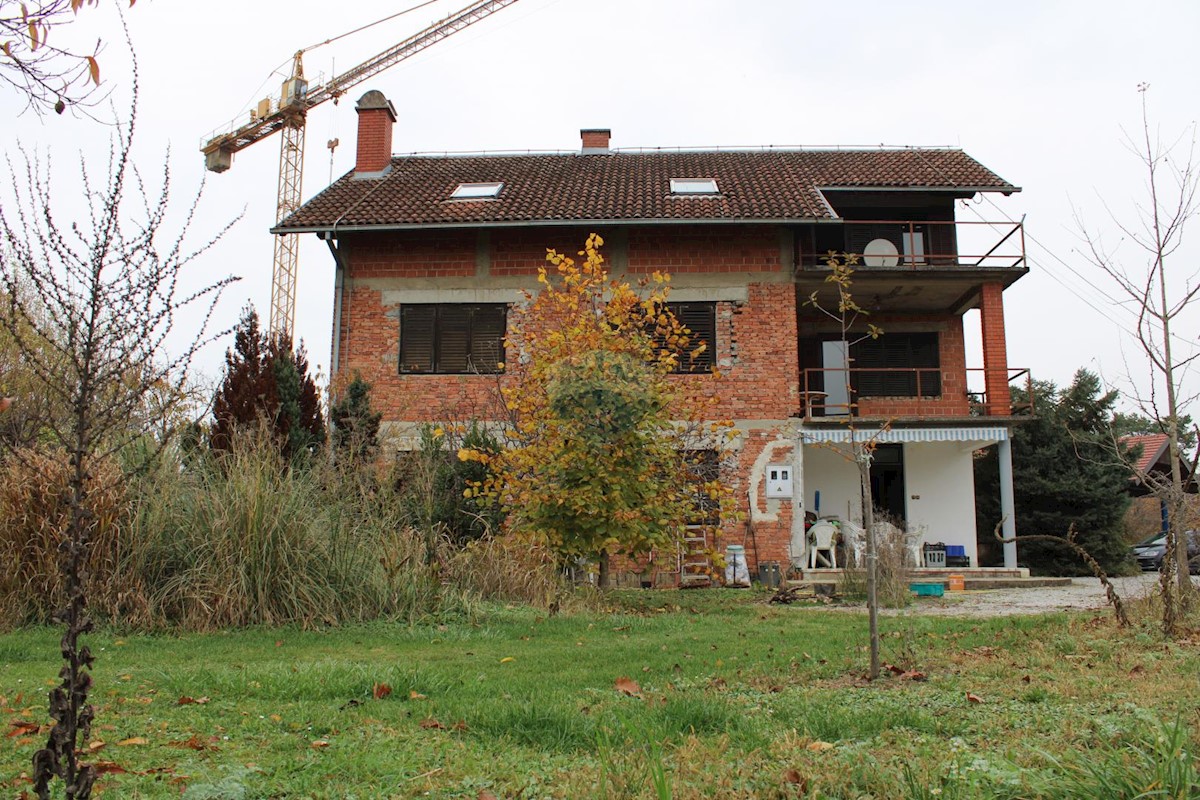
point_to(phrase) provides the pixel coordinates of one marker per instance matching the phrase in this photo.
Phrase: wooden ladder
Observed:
(696, 572)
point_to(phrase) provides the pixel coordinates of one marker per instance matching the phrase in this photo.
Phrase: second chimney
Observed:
(375, 117)
(595, 140)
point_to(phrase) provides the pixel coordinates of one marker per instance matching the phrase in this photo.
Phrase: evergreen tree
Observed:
(1064, 473)
(266, 382)
(355, 425)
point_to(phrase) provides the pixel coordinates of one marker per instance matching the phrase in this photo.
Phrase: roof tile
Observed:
(755, 185)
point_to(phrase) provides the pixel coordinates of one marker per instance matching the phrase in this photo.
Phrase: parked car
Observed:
(1149, 553)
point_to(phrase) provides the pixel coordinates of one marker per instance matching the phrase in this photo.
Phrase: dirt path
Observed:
(1083, 594)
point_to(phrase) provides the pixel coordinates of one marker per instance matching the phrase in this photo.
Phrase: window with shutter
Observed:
(897, 365)
(452, 339)
(701, 321)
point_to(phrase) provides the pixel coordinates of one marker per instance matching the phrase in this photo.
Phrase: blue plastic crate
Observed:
(928, 589)
(955, 550)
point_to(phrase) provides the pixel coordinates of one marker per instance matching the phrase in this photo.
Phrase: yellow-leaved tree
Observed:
(608, 451)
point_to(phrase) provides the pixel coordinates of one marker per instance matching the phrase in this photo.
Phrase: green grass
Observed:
(734, 695)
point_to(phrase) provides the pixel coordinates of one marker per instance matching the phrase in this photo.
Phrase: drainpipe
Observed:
(1008, 527)
(339, 273)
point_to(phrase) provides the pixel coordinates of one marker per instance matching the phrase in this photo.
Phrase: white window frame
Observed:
(695, 186)
(477, 191)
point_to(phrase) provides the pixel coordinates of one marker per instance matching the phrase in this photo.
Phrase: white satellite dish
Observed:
(880, 253)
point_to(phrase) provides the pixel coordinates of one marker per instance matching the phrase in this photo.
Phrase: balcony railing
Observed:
(919, 244)
(836, 392)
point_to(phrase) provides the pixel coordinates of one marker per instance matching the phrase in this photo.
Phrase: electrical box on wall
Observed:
(779, 480)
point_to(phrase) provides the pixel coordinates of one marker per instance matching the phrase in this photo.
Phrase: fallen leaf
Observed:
(974, 698)
(460, 726)
(194, 742)
(913, 675)
(431, 724)
(381, 690)
(484, 794)
(133, 740)
(108, 768)
(820, 747)
(794, 777)
(1137, 669)
(415, 695)
(318, 744)
(276, 718)
(892, 668)
(507, 659)
(188, 701)
(1026, 678)
(628, 686)
(20, 727)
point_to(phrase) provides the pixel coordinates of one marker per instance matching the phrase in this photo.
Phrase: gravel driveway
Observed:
(1083, 594)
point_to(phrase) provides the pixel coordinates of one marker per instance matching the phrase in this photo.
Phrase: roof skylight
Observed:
(476, 191)
(694, 186)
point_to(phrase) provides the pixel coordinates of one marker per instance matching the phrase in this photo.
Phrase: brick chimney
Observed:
(375, 117)
(595, 140)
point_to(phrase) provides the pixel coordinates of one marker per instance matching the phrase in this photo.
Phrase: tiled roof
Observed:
(761, 185)
(1152, 444)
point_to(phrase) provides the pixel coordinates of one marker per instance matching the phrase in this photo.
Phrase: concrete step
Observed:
(969, 583)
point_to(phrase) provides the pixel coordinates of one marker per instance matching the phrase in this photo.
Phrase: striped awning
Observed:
(983, 435)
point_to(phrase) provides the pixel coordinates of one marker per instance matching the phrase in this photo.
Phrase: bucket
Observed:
(736, 571)
(957, 584)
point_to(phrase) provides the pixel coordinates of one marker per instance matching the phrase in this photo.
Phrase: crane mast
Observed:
(288, 117)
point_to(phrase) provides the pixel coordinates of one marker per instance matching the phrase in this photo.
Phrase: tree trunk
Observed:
(863, 457)
(603, 577)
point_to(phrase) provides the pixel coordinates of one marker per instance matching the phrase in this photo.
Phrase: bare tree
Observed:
(862, 448)
(1161, 297)
(90, 307)
(34, 64)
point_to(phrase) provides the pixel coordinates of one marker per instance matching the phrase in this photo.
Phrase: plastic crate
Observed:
(928, 589)
(956, 551)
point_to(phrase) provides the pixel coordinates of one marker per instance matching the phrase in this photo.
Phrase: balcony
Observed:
(831, 394)
(913, 245)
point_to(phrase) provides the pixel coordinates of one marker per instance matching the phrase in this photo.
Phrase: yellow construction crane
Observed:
(288, 114)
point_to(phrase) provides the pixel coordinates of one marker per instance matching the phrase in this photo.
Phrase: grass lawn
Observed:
(727, 697)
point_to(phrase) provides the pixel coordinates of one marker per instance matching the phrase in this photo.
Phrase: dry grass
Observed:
(34, 514)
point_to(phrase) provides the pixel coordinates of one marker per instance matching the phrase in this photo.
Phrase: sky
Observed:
(1043, 93)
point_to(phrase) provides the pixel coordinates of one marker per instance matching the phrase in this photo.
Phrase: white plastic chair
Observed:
(822, 536)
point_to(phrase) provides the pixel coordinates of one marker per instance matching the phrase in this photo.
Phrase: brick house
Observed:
(431, 250)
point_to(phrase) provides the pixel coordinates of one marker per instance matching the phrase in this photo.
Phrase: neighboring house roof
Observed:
(1154, 459)
(571, 188)
(1154, 448)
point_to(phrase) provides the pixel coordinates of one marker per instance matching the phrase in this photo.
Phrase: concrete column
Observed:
(797, 532)
(1007, 504)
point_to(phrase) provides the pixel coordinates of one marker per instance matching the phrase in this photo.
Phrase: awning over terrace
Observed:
(983, 435)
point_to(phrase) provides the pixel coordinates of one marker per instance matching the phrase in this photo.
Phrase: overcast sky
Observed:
(1040, 92)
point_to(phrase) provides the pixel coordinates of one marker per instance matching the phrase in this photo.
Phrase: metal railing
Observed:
(838, 392)
(918, 244)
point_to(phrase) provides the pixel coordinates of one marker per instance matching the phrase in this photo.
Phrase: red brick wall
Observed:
(756, 341)
(995, 351)
(704, 248)
(522, 252)
(374, 150)
(420, 254)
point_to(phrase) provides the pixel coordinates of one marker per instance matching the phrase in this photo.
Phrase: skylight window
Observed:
(690, 186)
(476, 191)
